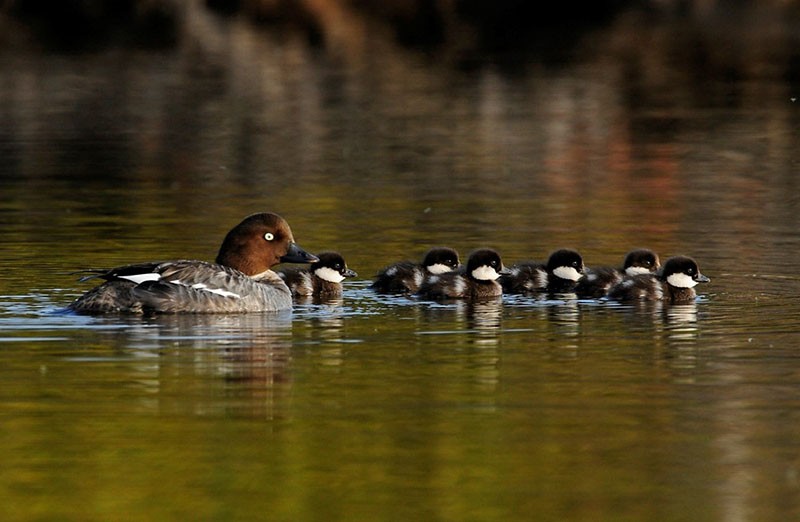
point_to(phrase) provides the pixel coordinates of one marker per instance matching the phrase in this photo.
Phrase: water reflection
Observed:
(323, 328)
(646, 131)
(237, 364)
(481, 318)
(484, 316)
(669, 332)
(465, 336)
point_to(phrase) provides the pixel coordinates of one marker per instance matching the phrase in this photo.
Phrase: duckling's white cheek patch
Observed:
(438, 268)
(485, 273)
(567, 272)
(141, 278)
(636, 270)
(329, 274)
(681, 281)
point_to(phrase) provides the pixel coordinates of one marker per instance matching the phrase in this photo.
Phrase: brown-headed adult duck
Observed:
(241, 279)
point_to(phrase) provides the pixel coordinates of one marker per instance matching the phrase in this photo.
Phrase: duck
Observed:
(240, 280)
(478, 280)
(561, 273)
(322, 278)
(674, 283)
(406, 277)
(597, 281)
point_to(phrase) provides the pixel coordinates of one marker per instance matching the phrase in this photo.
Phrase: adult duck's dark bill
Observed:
(298, 255)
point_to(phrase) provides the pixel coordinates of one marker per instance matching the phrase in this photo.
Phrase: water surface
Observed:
(674, 132)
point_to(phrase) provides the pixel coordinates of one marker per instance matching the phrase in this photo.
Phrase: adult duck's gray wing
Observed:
(200, 287)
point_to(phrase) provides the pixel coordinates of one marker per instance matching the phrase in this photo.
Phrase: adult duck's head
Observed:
(260, 242)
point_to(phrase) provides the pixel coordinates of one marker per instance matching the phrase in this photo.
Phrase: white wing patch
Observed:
(485, 273)
(223, 293)
(203, 286)
(329, 274)
(681, 281)
(567, 272)
(391, 271)
(460, 285)
(141, 278)
(541, 278)
(439, 268)
(419, 277)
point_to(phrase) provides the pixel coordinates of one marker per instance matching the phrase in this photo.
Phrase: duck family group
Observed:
(242, 280)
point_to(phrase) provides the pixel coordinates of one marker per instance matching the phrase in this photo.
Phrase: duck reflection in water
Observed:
(483, 315)
(238, 363)
(480, 317)
(681, 322)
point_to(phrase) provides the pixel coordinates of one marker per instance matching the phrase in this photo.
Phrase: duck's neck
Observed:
(241, 260)
(680, 295)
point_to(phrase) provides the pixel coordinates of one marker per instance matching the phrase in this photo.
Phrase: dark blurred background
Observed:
(575, 119)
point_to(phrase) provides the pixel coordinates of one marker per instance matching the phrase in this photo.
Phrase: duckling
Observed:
(322, 278)
(405, 277)
(478, 280)
(598, 281)
(560, 275)
(674, 283)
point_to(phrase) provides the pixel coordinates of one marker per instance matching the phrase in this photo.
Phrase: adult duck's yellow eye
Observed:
(269, 236)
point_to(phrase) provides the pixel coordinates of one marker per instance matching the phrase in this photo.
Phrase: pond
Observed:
(676, 131)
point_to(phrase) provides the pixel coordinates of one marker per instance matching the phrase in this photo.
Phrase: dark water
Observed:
(674, 131)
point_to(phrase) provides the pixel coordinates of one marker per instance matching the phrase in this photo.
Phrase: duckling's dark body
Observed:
(526, 277)
(598, 281)
(406, 277)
